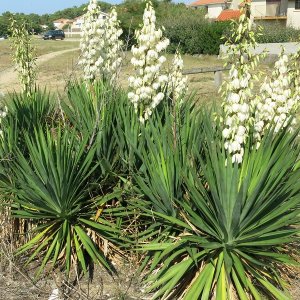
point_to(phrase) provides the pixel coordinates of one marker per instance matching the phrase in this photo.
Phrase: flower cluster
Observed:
(147, 86)
(177, 82)
(278, 101)
(113, 47)
(239, 101)
(92, 44)
(237, 113)
(24, 55)
(294, 72)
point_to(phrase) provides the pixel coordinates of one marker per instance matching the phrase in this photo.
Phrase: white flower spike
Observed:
(177, 82)
(148, 84)
(100, 44)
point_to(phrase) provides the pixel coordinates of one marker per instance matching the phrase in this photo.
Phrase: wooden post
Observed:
(218, 73)
(218, 78)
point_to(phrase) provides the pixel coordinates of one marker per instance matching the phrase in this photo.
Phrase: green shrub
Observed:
(177, 19)
(186, 28)
(194, 35)
(25, 113)
(277, 33)
(210, 37)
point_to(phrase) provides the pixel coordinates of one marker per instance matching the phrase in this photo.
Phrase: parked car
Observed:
(3, 37)
(54, 34)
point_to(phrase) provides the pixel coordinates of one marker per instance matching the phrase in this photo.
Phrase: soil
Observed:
(18, 285)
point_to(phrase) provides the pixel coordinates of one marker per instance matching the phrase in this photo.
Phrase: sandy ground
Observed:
(9, 77)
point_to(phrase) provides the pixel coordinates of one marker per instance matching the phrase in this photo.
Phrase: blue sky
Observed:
(40, 6)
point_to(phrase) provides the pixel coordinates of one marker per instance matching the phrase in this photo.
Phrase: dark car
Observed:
(54, 34)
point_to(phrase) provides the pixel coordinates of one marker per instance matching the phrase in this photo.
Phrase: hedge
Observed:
(204, 38)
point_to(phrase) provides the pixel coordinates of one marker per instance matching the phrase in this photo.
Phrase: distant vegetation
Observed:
(186, 28)
(35, 21)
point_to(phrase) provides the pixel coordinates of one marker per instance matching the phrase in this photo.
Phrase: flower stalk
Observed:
(24, 55)
(177, 83)
(100, 44)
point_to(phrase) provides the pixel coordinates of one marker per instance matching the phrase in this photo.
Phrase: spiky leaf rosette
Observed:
(229, 226)
(54, 186)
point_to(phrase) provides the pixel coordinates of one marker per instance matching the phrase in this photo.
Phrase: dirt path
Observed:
(9, 77)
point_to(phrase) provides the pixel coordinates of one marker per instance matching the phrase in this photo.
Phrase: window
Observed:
(297, 4)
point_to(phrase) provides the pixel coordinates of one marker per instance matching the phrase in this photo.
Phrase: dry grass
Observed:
(42, 47)
(202, 84)
(55, 73)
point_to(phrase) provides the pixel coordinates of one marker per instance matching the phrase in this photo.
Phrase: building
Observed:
(229, 14)
(213, 8)
(77, 22)
(62, 23)
(293, 14)
(286, 12)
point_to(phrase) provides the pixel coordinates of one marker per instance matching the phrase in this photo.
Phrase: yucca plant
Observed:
(79, 106)
(25, 112)
(232, 223)
(167, 154)
(31, 110)
(93, 111)
(55, 186)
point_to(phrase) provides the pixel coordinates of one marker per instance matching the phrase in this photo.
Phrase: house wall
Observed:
(77, 24)
(283, 7)
(235, 4)
(58, 25)
(293, 15)
(214, 10)
(258, 8)
(279, 23)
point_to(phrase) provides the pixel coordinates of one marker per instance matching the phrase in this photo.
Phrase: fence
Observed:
(218, 73)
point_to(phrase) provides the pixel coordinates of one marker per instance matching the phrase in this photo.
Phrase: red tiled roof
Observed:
(229, 14)
(206, 2)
